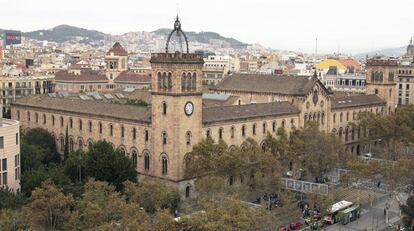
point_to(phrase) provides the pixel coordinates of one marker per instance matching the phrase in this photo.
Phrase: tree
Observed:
(259, 170)
(315, 150)
(42, 139)
(37, 148)
(106, 164)
(100, 204)
(12, 220)
(49, 208)
(408, 212)
(75, 166)
(229, 214)
(11, 200)
(152, 195)
(34, 178)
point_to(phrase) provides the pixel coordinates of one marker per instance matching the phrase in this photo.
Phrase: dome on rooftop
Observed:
(177, 40)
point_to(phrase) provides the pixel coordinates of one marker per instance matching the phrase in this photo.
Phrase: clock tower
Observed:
(176, 107)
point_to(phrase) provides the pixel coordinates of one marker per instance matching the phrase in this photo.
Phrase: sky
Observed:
(347, 26)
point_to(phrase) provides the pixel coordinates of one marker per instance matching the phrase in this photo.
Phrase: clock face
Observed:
(189, 108)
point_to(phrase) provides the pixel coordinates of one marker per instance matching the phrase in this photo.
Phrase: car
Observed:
(327, 220)
(295, 225)
(367, 156)
(283, 228)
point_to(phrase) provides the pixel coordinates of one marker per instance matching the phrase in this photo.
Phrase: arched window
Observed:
(347, 116)
(100, 127)
(187, 191)
(283, 124)
(146, 135)
(264, 127)
(231, 180)
(90, 126)
(188, 84)
(44, 119)
(61, 121)
(208, 133)
(232, 132)
(169, 83)
(71, 144)
(134, 133)
(164, 81)
(53, 120)
(340, 117)
(36, 118)
(111, 130)
(146, 161)
(122, 132)
(122, 150)
(254, 129)
(134, 158)
(274, 126)
(346, 133)
(164, 108)
(354, 115)
(243, 131)
(221, 130)
(164, 161)
(62, 144)
(159, 80)
(188, 138)
(183, 82)
(90, 143)
(28, 116)
(164, 137)
(80, 144)
(70, 123)
(340, 132)
(390, 92)
(194, 81)
(80, 125)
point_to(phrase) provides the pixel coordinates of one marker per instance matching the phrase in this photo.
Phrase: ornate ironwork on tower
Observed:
(177, 31)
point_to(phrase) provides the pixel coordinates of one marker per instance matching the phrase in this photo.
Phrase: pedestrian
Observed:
(175, 213)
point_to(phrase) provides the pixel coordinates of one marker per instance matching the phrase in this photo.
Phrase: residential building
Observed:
(9, 154)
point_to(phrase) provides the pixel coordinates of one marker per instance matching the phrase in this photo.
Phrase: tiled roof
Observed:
(339, 102)
(248, 111)
(216, 103)
(118, 50)
(90, 107)
(85, 76)
(130, 76)
(285, 85)
(350, 62)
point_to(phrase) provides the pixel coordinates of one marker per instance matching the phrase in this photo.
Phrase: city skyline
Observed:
(296, 23)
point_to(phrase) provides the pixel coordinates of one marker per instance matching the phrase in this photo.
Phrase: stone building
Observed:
(158, 137)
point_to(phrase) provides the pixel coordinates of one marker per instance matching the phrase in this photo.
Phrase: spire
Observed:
(177, 24)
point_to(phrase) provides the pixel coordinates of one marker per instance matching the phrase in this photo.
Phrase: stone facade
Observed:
(158, 137)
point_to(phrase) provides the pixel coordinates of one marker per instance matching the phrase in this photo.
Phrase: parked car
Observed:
(295, 225)
(283, 228)
(367, 156)
(328, 220)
